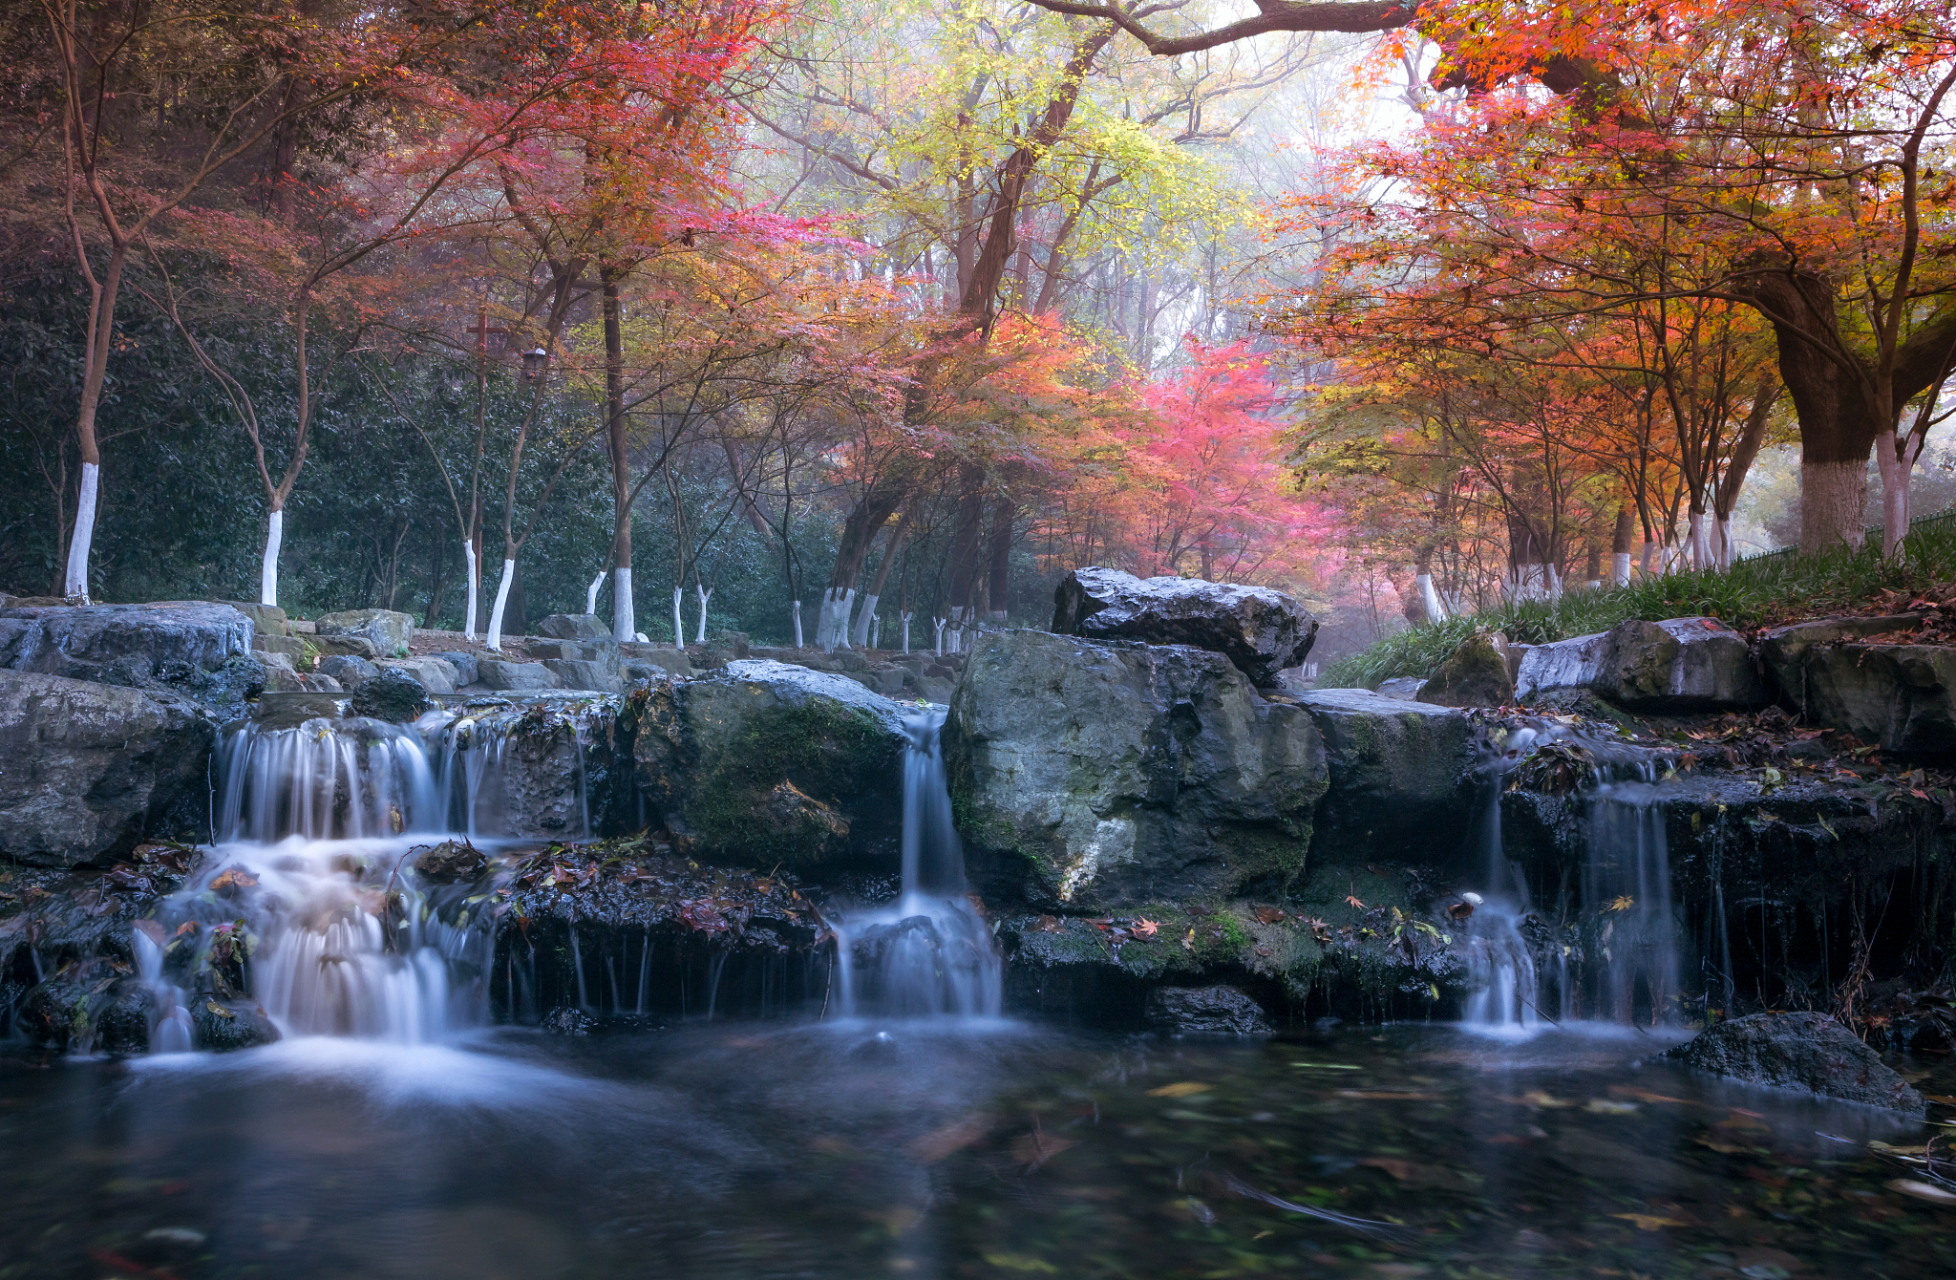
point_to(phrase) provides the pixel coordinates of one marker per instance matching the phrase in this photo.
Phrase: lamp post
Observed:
(533, 364)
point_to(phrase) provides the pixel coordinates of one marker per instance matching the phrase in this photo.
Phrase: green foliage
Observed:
(1757, 592)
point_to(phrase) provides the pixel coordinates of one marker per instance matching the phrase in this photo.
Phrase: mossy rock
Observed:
(1474, 675)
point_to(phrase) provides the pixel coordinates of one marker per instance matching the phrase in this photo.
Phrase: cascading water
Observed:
(1498, 958)
(931, 951)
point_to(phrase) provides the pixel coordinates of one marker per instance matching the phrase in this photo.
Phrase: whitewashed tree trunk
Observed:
(75, 582)
(832, 628)
(940, 635)
(495, 640)
(678, 619)
(875, 629)
(906, 615)
(475, 588)
(1832, 497)
(624, 622)
(704, 596)
(591, 593)
(867, 615)
(1894, 494)
(1620, 568)
(1694, 540)
(798, 643)
(268, 567)
(1435, 611)
(1650, 550)
(1722, 542)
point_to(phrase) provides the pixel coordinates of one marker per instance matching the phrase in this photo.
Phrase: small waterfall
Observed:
(324, 780)
(1498, 959)
(1626, 882)
(931, 951)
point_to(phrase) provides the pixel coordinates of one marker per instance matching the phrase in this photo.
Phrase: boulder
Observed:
(1260, 630)
(285, 646)
(266, 619)
(88, 1008)
(349, 671)
(502, 674)
(436, 675)
(279, 679)
(394, 696)
(225, 689)
(1206, 1011)
(1400, 773)
(89, 770)
(1404, 688)
(574, 626)
(1784, 649)
(449, 862)
(1805, 1051)
(1902, 696)
(348, 646)
(668, 659)
(1565, 666)
(1475, 674)
(768, 763)
(122, 643)
(1097, 774)
(582, 673)
(464, 663)
(543, 768)
(386, 630)
(1679, 665)
(220, 1025)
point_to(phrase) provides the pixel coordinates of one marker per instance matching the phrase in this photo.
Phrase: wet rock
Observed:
(220, 1025)
(567, 1021)
(350, 646)
(286, 646)
(451, 861)
(547, 764)
(464, 663)
(1678, 665)
(88, 770)
(1405, 688)
(89, 1007)
(226, 689)
(351, 672)
(1902, 696)
(644, 672)
(387, 630)
(1206, 1011)
(1096, 774)
(1566, 666)
(1475, 674)
(1260, 630)
(1785, 648)
(393, 696)
(267, 620)
(1807, 1051)
(503, 675)
(766, 762)
(285, 680)
(672, 661)
(434, 675)
(599, 675)
(122, 643)
(1399, 772)
(574, 626)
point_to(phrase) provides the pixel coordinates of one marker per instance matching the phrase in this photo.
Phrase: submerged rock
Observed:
(1260, 630)
(1808, 1051)
(1206, 1011)
(766, 762)
(1475, 674)
(1093, 774)
(91, 769)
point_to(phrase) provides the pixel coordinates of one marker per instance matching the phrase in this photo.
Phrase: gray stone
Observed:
(1403, 688)
(387, 630)
(1902, 696)
(286, 680)
(274, 662)
(122, 643)
(449, 862)
(1784, 648)
(285, 646)
(502, 674)
(766, 762)
(581, 673)
(89, 770)
(1260, 630)
(1475, 674)
(1100, 775)
(1804, 1051)
(464, 663)
(1399, 772)
(674, 661)
(347, 670)
(1206, 1011)
(348, 646)
(88, 1008)
(1566, 666)
(394, 696)
(1679, 665)
(436, 675)
(574, 626)
(220, 1025)
(266, 619)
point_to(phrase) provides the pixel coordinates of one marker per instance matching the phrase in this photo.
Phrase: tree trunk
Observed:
(1620, 547)
(495, 638)
(473, 564)
(1004, 510)
(890, 549)
(623, 624)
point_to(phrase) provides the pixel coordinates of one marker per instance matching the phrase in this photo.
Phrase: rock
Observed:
(286, 680)
(394, 696)
(284, 646)
(349, 646)
(1902, 696)
(1565, 666)
(1807, 1051)
(1475, 674)
(574, 626)
(89, 770)
(673, 661)
(1260, 630)
(1784, 648)
(1206, 1011)
(1400, 773)
(222, 1025)
(642, 673)
(386, 630)
(1678, 665)
(289, 709)
(466, 671)
(301, 627)
(122, 643)
(225, 689)
(581, 673)
(345, 669)
(547, 765)
(267, 620)
(88, 1008)
(436, 675)
(450, 861)
(567, 1021)
(1095, 774)
(1404, 688)
(766, 762)
(502, 674)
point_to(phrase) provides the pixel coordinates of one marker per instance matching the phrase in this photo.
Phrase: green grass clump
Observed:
(1774, 588)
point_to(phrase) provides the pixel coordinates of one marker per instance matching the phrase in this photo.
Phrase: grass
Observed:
(1779, 587)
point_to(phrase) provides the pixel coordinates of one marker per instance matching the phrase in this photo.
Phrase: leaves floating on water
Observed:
(1650, 1221)
(1180, 1089)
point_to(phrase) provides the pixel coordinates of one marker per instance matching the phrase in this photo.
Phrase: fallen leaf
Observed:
(1539, 1098)
(1607, 1107)
(1268, 915)
(1928, 1191)
(1352, 899)
(1649, 1221)
(1385, 1095)
(234, 878)
(1144, 927)
(1035, 1149)
(1181, 1089)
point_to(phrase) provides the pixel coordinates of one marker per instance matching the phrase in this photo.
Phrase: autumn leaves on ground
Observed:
(488, 311)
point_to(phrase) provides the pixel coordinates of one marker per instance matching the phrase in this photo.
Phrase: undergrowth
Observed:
(1779, 587)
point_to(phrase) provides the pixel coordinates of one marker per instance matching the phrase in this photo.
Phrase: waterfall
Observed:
(1626, 882)
(1499, 963)
(931, 951)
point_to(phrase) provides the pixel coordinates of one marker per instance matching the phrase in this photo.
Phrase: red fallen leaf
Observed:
(1268, 915)
(1352, 898)
(1144, 927)
(233, 878)
(704, 916)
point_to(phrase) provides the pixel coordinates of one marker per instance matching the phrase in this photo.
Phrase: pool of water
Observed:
(928, 1149)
